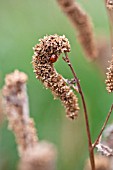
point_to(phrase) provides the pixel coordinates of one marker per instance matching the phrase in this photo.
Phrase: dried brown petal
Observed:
(46, 73)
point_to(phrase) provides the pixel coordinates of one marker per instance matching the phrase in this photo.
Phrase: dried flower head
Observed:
(45, 53)
(52, 44)
(101, 163)
(109, 81)
(82, 22)
(109, 4)
(17, 111)
(41, 157)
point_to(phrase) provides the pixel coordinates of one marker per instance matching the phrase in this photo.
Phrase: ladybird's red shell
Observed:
(53, 58)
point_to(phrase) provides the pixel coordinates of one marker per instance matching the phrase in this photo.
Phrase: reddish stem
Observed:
(91, 153)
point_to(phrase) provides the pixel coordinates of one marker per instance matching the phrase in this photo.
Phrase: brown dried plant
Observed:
(38, 155)
(82, 22)
(43, 59)
(45, 54)
(109, 80)
(34, 154)
(17, 110)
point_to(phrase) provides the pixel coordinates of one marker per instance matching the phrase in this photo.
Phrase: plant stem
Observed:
(103, 127)
(91, 153)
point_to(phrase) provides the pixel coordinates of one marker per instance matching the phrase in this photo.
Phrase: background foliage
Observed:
(22, 23)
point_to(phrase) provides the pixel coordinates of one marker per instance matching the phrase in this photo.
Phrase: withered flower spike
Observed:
(83, 24)
(17, 111)
(53, 46)
(109, 80)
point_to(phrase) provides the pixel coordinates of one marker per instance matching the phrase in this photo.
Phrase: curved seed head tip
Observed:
(52, 44)
(45, 54)
(109, 80)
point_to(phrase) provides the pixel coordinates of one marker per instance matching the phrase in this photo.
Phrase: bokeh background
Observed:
(22, 23)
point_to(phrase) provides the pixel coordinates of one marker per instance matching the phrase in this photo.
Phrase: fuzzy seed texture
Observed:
(16, 108)
(83, 24)
(46, 73)
(109, 81)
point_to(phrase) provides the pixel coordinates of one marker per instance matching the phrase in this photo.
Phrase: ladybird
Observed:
(53, 58)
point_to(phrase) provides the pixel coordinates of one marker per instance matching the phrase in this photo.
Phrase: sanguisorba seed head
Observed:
(45, 54)
(109, 80)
